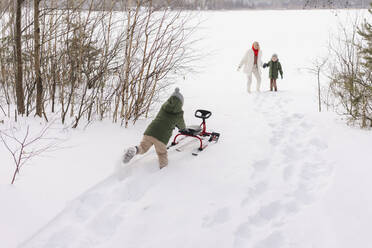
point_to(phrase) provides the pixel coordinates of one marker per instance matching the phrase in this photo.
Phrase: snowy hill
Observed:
(282, 175)
(244, 190)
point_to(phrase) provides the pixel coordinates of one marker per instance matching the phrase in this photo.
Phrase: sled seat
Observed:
(191, 130)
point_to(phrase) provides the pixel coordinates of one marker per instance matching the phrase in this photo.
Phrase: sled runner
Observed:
(198, 132)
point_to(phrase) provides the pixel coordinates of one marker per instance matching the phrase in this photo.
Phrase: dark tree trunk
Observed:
(18, 48)
(39, 85)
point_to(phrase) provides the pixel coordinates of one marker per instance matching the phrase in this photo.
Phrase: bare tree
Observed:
(24, 147)
(317, 69)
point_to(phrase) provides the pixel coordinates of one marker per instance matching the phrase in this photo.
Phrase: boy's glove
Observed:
(265, 65)
(282, 76)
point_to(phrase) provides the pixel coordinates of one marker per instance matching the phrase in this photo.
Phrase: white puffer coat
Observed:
(248, 61)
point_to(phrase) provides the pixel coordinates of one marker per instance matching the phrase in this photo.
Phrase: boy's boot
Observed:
(129, 154)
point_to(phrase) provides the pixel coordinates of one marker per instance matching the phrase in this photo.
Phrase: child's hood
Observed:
(173, 105)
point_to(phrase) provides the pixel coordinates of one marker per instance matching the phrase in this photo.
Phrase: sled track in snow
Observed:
(95, 219)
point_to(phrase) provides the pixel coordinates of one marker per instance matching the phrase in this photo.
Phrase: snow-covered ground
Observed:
(282, 175)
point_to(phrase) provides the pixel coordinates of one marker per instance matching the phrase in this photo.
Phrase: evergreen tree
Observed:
(365, 82)
(366, 51)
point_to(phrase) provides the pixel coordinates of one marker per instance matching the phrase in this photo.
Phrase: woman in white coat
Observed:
(252, 64)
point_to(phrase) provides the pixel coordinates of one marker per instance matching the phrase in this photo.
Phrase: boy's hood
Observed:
(173, 105)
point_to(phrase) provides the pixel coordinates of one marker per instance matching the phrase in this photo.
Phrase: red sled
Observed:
(198, 132)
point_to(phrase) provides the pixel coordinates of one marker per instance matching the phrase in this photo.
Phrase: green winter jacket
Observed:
(169, 116)
(275, 67)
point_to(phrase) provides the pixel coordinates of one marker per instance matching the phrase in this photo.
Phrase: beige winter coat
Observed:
(248, 61)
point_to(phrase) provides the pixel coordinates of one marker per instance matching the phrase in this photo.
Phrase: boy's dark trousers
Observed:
(273, 84)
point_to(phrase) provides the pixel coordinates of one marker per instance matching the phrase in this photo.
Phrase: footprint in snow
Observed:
(261, 164)
(87, 205)
(318, 144)
(242, 235)
(293, 153)
(291, 119)
(274, 240)
(304, 193)
(276, 139)
(295, 134)
(306, 125)
(286, 121)
(85, 242)
(219, 217)
(132, 190)
(288, 172)
(298, 116)
(63, 238)
(267, 214)
(272, 124)
(104, 224)
(254, 192)
(291, 207)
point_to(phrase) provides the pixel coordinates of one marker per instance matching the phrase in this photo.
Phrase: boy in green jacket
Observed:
(160, 130)
(274, 67)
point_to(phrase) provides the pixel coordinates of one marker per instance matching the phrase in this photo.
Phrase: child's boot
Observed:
(129, 154)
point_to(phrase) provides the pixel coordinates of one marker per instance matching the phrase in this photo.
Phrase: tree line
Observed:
(90, 64)
(120, 5)
(246, 4)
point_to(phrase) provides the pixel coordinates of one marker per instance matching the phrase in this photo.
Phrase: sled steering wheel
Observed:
(203, 114)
